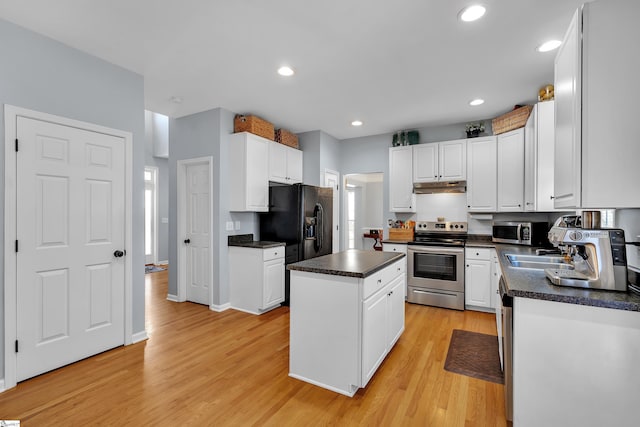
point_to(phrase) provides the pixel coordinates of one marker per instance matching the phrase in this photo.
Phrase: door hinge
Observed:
(16, 346)
(16, 246)
(16, 145)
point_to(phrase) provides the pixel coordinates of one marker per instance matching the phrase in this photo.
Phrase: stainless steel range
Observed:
(436, 264)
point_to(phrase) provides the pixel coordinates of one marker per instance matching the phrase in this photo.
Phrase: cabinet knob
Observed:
(552, 197)
(467, 265)
(477, 253)
(469, 206)
(379, 280)
(519, 205)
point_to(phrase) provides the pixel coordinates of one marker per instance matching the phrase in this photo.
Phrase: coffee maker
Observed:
(598, 256)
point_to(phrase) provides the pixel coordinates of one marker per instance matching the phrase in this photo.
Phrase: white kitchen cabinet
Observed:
(477, 279)
(511, 171)
(442, 161)
(539, 134)
(248, 173)
(401, 196)
(482, 175)
(496, 274)
(256, 278)
(596, 92)
(285, 164)
(342, 328)
(395, 247)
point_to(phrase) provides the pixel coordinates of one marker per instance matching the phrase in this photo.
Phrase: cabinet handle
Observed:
(552, 197)
(379, 280)
(519, 205)
(477, 253)
(469, 206)
(467, 265)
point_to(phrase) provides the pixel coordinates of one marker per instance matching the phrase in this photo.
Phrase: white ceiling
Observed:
(395, 64)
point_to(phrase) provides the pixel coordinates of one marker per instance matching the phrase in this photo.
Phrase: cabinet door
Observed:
(395, 310)
(481, 174)
(273, 286)
(391, 247)
(546, 124)
(294, 165)
(530, 160)
(452, 160)
(401, 197)
(425, 163)
(277, 163)
(568, 107)
(511, 171)
(477, 283)
(374, 334)
(497, 302)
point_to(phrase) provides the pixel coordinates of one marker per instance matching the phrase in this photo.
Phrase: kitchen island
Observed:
(346, 314)
(575, 351)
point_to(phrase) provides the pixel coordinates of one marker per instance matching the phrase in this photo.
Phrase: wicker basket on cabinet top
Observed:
(285, 137)
(254, 125)
(514, 119)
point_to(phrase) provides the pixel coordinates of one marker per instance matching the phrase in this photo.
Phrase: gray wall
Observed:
(199, 135)
(310, 145)
(153, 133)
(44, 75)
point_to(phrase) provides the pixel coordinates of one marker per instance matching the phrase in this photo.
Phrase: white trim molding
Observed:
(220, 307)
(139, 337)
(11, 114)
(172, 298)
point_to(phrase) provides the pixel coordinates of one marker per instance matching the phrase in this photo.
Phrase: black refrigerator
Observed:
(300, 216)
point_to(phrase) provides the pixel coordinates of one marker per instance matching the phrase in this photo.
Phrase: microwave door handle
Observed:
(519, 232)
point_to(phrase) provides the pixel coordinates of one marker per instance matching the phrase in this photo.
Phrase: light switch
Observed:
(165, 220)
(229, 225)
(237, 225)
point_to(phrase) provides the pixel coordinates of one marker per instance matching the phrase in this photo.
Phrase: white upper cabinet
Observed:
(596, 91)
(482, 175)
(401, 196)
(511, 171)
(248, 172)
(285, 164)
(539, 153)
(443, 161)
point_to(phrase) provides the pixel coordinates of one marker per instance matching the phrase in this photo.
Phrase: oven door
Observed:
(436, 267)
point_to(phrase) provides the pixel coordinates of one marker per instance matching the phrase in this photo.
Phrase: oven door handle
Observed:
(436, 250)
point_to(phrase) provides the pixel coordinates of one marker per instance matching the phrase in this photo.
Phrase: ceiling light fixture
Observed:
(356, 123)
(549, 46)
(476, 102)
(286, 71)
(472, 13)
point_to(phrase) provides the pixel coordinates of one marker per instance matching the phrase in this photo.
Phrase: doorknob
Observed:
(118, 254)
(187, 241)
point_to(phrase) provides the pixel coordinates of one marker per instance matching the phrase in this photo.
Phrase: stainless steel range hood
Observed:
(440, 187)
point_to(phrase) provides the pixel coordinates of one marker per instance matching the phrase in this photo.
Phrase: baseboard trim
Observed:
(162, 262)
(139, 336)
(220, 308)
(2, 389)
(172, 298)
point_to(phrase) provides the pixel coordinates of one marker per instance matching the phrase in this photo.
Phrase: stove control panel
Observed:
(445, 227)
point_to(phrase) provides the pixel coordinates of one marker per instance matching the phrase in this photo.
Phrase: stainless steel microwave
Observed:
(521, 233)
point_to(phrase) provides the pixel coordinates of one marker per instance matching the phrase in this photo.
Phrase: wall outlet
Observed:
(237, 225)
(229, 225)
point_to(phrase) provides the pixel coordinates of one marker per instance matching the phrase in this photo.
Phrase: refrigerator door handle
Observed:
(318, 212)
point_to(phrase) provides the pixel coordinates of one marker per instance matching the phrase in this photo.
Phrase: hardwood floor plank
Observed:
(201, 367)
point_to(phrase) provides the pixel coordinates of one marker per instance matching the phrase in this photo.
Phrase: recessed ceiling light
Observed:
(472, 13)
(548, 46)
(356, 123)
(286, 71)
(176, 99)
(476, 102)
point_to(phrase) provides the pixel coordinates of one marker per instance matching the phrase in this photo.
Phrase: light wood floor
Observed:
(205, 368)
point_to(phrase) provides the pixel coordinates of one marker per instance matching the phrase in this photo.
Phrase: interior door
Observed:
(71, 232)
(331, 179)
(198, 229)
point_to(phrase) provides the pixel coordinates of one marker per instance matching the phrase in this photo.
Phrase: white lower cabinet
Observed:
(342, 328)
(395, 247)
(477, 279)
(256, 278)
(496, 273)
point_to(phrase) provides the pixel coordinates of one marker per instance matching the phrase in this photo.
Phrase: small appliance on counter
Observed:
(520, 233)
(598, 256)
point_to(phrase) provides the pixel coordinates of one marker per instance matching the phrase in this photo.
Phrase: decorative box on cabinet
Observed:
(248, 173)
(596, 93)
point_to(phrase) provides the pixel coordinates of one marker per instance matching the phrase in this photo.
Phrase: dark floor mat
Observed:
(475, 355)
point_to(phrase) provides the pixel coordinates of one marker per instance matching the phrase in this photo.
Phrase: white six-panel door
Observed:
(70, 225)
(198, 231)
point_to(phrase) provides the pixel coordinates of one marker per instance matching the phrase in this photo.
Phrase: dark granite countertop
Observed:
(479, 241)
(246, 241)
(396, 242)
(529, 283)
(349, 263)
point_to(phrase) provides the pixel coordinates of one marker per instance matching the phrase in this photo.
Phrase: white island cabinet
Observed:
(347, 312)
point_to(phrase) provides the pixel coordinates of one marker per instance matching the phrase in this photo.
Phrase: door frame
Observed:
(336, 221)
(181, 224)
(11, 114)
(154, 170)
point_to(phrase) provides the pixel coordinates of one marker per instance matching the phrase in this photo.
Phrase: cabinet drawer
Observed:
(394, 247)
(273, 253)
(477, 253)
(372, 284)
(393, 271)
